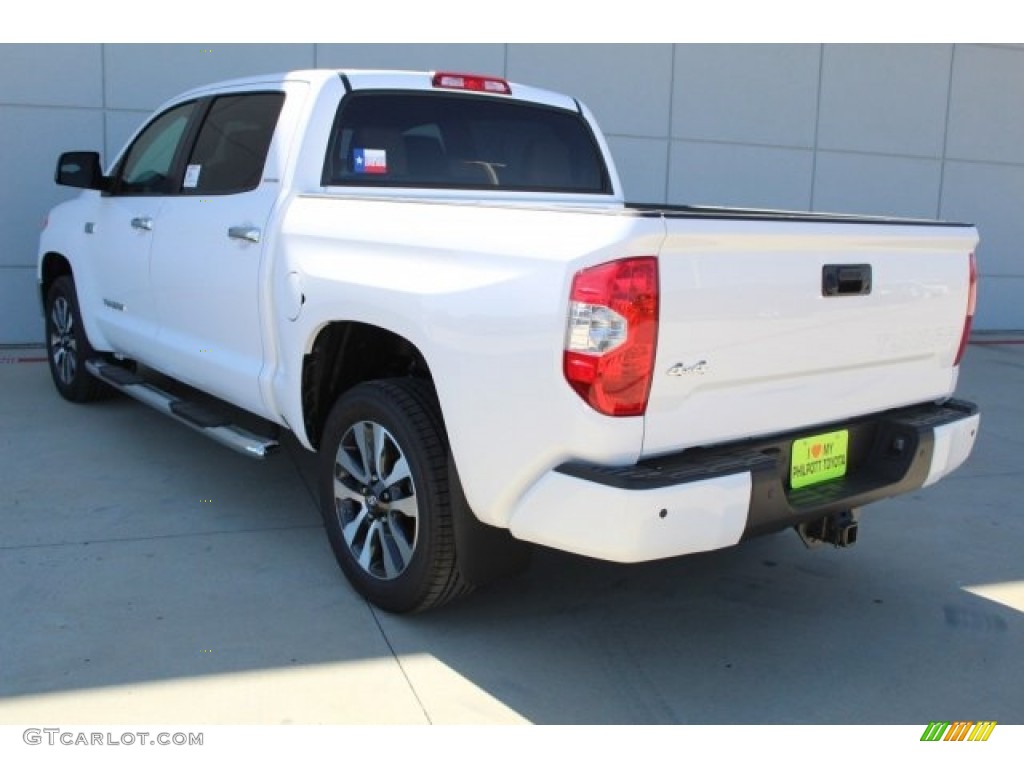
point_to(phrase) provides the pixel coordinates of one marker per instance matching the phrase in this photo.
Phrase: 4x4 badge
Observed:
(682, 369)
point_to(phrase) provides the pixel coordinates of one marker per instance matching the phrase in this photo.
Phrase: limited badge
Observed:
(370, 160)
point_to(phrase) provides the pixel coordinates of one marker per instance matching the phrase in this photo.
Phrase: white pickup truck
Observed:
(433, 281)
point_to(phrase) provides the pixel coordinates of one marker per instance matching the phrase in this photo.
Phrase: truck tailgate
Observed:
(774, 324)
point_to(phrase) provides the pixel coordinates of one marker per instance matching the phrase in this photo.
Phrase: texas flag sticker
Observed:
(370, 160)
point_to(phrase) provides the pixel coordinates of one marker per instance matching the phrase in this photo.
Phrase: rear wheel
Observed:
(67, 346)
(386, 498)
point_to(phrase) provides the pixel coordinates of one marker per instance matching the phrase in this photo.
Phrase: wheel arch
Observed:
(52, 266)
(347, 353)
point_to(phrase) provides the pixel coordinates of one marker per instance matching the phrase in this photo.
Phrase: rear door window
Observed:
(461, 141)
(231, 149)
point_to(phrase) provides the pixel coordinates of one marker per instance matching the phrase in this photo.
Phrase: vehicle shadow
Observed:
(132, 551)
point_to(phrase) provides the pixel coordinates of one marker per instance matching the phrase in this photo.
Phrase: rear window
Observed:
(466, 142)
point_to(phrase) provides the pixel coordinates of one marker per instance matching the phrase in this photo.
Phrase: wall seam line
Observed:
(817, 125)
(668, 140)
(945, 134)
(103, 95)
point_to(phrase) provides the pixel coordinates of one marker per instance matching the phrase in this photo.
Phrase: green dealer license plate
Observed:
(819, 458)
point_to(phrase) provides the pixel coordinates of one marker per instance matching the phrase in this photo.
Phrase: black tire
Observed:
(67, 347)
(389, 522)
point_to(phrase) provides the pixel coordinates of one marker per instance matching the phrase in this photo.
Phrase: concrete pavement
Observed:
(149, 575)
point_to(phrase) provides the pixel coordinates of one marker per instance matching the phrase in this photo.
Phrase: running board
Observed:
(200, 418)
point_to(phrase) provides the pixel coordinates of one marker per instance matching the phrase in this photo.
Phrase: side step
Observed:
(195, 415)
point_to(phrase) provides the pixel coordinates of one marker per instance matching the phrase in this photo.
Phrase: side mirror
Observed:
(81, 170)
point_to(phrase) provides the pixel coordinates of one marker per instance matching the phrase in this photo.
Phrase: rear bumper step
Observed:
(890, 454)
(195, 415)
(709, 498)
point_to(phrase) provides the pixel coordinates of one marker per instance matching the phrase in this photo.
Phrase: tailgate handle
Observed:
(846, 280)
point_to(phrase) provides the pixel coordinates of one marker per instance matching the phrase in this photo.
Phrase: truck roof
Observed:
(389, 79)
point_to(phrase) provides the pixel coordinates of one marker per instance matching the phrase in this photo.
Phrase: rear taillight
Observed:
(972, 300)
(463, 82)
(612, 334)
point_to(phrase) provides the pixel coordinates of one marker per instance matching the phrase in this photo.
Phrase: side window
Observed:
(148, 166)
(231, 150)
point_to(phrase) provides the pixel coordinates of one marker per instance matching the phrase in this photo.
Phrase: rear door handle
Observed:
(846, 280)
(251, 234)
(142, 222)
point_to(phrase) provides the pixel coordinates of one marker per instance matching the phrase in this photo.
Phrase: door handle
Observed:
(142, 222)
(250, 234)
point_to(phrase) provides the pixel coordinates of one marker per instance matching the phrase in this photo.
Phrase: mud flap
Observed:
(485, 553)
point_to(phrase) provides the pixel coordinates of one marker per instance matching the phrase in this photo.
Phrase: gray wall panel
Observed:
(51, 75)
(145, 75)
(703, 173)
(488, 59)
(624, 85)
(877, 184)
(21, 319)
(642, 166)
(761, 94)
(30, 141)
(991, 197)
(999, 300)
(885, 98)
(987, 105)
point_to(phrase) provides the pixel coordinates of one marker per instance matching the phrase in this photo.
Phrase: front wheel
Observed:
(67, 347)
(385, 495)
